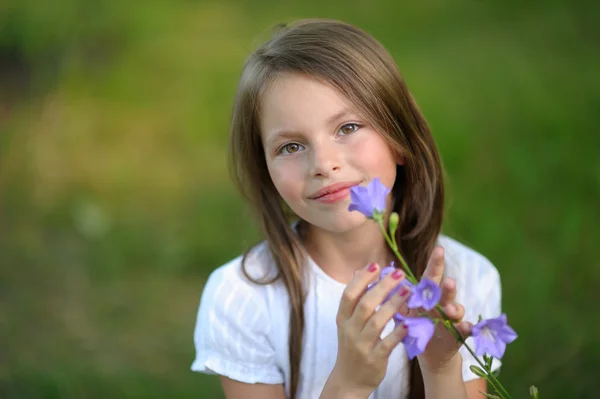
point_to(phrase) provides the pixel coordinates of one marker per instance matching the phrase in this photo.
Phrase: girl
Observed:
(321, 107)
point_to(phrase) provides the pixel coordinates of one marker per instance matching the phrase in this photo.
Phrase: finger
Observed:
(464, 328)
(435, 267)
(385, 347)
(448, 291)
(355, 290)
(404, 309)
(375, 296)
(375, 325)
(455, 311)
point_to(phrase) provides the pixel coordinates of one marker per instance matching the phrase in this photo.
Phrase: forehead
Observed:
(299, 102)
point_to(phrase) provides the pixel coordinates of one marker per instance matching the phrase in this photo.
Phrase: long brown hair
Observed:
(360, 68)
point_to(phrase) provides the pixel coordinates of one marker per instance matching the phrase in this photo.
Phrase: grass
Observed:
(115, 202)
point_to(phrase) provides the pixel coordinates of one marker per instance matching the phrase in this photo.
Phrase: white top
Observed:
(242, 328)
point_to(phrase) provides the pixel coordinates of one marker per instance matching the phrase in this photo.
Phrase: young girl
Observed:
(321, 107)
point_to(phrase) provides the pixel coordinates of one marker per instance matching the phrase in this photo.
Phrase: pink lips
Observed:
(333, 193)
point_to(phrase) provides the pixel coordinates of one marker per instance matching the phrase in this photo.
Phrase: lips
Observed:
(332, 189)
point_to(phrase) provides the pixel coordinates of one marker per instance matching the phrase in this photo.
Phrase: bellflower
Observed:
(370, 199)
(492, 335)
(425, 295)
(419, 333)
(384, 272)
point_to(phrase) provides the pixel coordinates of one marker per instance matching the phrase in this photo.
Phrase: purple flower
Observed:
(370, 199)
(492, 335)
(420, 331)
(384, 272)
(425, 295)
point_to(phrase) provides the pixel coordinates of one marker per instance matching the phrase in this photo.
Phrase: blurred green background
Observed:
(115, 201)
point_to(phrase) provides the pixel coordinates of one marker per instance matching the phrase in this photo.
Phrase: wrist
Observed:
(336, 388)
(452, 367)
(445, 381)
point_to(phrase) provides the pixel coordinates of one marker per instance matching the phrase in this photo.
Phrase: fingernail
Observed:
(404, 325)
(403, 291)
(440, 252)
(397, 274)
(372, 267)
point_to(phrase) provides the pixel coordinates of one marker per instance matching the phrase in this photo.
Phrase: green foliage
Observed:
(115, 201)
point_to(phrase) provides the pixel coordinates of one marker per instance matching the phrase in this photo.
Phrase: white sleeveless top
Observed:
(242, 328)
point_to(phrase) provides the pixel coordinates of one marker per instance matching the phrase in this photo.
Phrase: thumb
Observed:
(435, 267)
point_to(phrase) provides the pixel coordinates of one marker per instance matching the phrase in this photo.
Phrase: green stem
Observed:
(498, 387)
(491, 377)
(392, 243)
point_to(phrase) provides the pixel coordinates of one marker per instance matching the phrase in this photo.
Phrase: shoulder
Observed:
(463, 262)
(242, 276)
(234, 327)
(239, 290)
(478, 285)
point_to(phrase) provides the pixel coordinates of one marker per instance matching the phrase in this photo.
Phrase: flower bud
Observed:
(487, 359)
(533, 391)
(393, 223)
(478, 371)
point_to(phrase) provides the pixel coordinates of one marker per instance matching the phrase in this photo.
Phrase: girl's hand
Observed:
(443, 346)
(362, 355)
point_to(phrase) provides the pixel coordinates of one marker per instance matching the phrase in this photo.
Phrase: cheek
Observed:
(286, 181)
(376, 157)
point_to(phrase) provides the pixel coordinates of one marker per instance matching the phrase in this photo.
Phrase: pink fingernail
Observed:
(404, 291)
(397, 274)
(372, 267)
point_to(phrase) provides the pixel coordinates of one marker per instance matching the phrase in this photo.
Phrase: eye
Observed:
(349, 128)
(290, 148)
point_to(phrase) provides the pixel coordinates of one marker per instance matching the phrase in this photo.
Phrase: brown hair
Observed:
(356, 65)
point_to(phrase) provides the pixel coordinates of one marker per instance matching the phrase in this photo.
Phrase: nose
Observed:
(325, 159)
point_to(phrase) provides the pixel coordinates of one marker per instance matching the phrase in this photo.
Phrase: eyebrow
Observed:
(339, 115)
(289, 134)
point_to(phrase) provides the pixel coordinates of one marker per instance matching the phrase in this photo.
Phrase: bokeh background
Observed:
(115, 200)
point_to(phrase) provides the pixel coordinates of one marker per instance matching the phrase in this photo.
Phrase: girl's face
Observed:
(317, 147)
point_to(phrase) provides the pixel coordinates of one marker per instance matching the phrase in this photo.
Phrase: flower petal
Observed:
(360, 201)
(497, 349)
(507, 334)
(492, 335)
(420, 331)
(378, 193)
(482, 345)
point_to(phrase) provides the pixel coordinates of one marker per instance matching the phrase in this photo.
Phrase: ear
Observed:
(399, 159)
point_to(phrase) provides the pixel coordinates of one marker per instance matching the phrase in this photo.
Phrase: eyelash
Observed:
(358, 126)
(281, 150)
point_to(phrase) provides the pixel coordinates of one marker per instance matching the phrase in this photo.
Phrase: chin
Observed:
(339, 224)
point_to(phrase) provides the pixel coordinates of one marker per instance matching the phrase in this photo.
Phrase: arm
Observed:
(446, 383)
(239, 390)
(475, 387)
(449, 383)
(232, 339)
(444, 378)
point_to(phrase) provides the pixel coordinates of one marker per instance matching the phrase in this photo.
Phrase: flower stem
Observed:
(491, 377)
(392, 243)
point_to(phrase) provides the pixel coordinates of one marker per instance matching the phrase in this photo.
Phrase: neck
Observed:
(340, 254)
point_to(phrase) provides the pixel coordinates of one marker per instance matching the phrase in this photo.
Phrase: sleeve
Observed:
(232, 330)
(483, 297)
